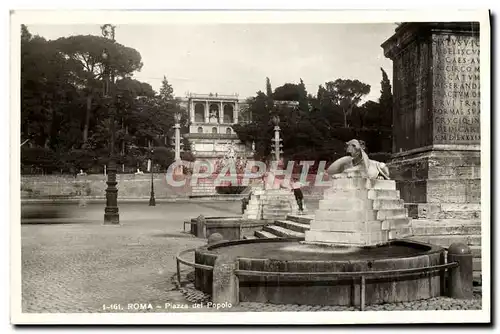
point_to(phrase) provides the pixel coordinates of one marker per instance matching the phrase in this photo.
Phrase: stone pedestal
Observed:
(271, 204)
(357, 211)
(436, 128)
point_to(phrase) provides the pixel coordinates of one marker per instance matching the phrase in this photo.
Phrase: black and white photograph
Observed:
(245, 167)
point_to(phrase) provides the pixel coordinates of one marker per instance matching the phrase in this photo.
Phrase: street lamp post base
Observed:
(152, 201)
(111, 219)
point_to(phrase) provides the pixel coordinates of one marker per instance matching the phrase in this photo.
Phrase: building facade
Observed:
(211, 133)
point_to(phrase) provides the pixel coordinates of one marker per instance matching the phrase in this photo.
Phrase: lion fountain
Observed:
(358, 162)
(362, 206)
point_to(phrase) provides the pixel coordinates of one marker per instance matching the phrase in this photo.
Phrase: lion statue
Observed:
(358, 160)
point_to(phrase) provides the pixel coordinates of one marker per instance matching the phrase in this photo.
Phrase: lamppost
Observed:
(111, 215)
(152, 201)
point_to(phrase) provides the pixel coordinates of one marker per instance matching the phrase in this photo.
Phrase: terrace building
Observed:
(211, 133)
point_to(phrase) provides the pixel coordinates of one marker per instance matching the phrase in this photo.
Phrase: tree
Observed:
(348, 94)
(269, 95)
(287, 92)
(25, 34)
(85, 55)
(134, 88)
(259, 129)
(47, 90)
(166, 90)
(327, 107)
(303, 97)
(57, 78)
(269, 89)
(319, 131)
(385, 100)
(293, 92)
(366, 115)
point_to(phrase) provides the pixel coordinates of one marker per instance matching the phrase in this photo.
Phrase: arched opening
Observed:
(214, 113)
(228, 113)
(199, 113)
(200, 129)
(214, 130)
(228, 131)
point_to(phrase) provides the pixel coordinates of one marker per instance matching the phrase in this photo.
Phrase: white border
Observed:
(180, 17)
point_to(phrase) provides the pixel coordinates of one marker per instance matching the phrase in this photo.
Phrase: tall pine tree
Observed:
(269, 95)
(166, 90)
(303, 100)
(385, 100)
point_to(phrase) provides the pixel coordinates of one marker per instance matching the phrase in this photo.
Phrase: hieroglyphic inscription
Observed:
(456, 90)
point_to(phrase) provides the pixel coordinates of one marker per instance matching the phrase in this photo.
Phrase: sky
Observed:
(237, 58)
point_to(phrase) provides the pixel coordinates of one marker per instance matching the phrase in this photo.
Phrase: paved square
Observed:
(80, 267)
(76, 264)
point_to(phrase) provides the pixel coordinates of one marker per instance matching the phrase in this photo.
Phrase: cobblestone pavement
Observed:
(81, 266)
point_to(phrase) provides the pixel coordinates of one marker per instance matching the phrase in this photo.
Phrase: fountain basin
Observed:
(288, 255)
(231, 228)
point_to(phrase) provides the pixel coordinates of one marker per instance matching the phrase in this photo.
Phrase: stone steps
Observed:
(399, 233)
(294, 226)
(476, 264)
(446, 240)
(264, 235)
(476, 251)
(445, 232)
(392, 214)
(345, 215)
(388, 204)
(275, 204)
(302, 219)
(371, 194)
(347, 227)
(391, 224)
(347, 204)
(448, 230)
(446, 222)
(362, 183)
(282, 232)
(462, 214)
(249, 237)
(383, 194)
(276, 209)
(457, 215)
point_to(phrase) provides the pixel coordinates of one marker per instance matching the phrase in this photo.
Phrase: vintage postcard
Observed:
(250, 167)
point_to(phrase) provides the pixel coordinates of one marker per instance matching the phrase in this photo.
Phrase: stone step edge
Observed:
(282, 232)
(446, 221)
(282, 222)
(264, 235)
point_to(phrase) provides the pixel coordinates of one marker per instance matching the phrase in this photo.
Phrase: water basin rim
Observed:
(429, 250)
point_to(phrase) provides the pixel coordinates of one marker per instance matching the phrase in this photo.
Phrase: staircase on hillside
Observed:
(294, 226)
